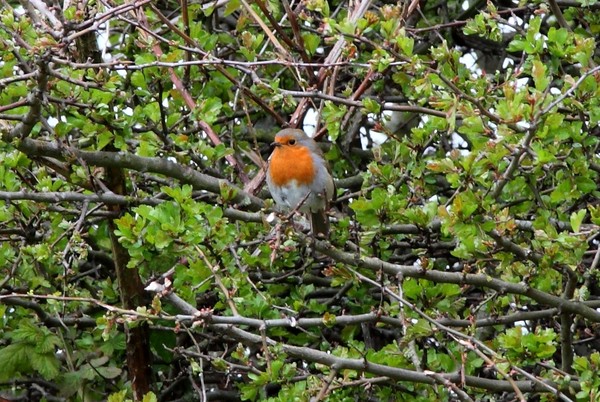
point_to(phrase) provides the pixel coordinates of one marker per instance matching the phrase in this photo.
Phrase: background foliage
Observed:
(137, 259)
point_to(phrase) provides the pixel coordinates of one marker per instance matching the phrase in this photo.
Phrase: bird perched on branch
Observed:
(299, 179)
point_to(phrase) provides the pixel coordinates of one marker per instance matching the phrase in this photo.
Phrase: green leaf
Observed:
(320, 6)
(576, 219)
(46, 364)
(371, 106)
(329, 319)
(543, 154)
(311, 42)
(420, 329)
(47, 343)
(26, 332)
(333, 115)
(539, 73)
(595, 214)
(412, 288)
(585, 184)
(558, 36)
(117, 396)
(554, 120)
(231, 7)
(138, 79)
(15, 359)
(405, 43)
(103, 139)
(366, 214)
(561, 191)
(465, 204)
(209, 110)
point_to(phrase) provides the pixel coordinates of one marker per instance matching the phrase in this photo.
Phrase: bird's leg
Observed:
(313, 237)
(275, 247)
(297, 207)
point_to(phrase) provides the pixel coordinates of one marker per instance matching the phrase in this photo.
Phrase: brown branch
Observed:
(514, 248)
(316, 356)
(14, 105)
(477, 103)
(460, 22)
(191, 104)
(37, 5)
(35, 98)
(191, 314)
(333, 56)
(363, 365)
(507, 319)
(577, 4)
(9, 80)
(92, 24)
(69, 196)
(129, 161)
(489, 362)
(297, 35)
(566, 320)
(435, 226)
(462, 395)
(48, 320)
(565, 95)
(208, 60)
(356, 103)
(297, 46)
(514, 164)
(469, 342)
(559, 15)
(282, 51)
(479, 280)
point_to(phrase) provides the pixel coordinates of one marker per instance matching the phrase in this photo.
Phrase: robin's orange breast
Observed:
(291, 162)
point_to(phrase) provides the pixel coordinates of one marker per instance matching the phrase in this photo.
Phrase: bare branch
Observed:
(142, 164)
(479, 280)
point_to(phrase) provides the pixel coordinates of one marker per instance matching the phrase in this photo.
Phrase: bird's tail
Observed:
(319, 224)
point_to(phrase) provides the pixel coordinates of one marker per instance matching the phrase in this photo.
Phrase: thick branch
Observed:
(478, 280)
(35, 99)
(132, 294)
(111, 198)
(363, 365)
(142, 164)
(48, 320)
(312, 355)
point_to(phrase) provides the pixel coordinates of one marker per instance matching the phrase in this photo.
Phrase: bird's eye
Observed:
(291, 141)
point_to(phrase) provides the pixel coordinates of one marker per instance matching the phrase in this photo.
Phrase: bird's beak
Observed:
(275, 144)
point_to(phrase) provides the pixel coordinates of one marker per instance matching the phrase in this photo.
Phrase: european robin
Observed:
(298, 177)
